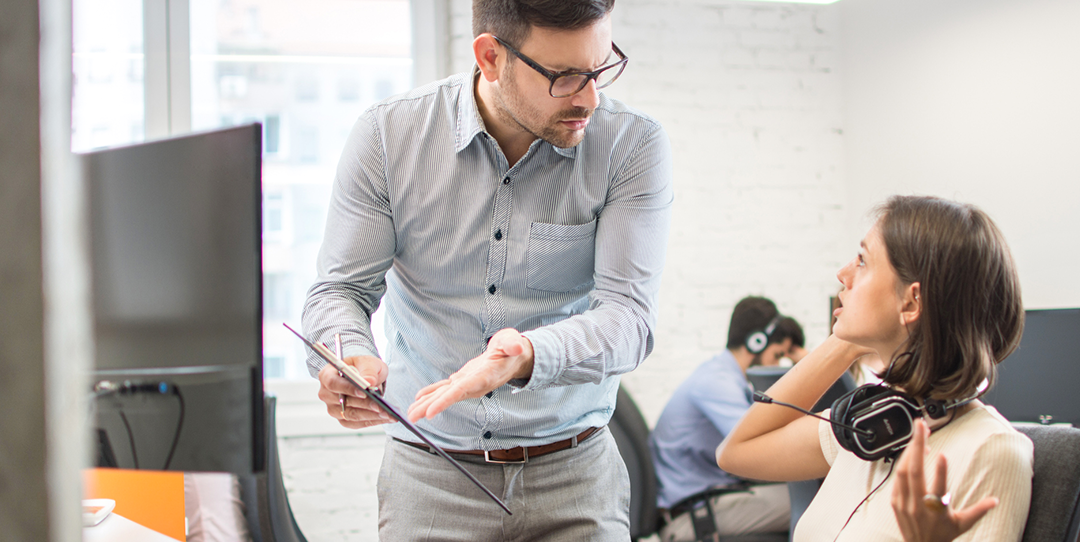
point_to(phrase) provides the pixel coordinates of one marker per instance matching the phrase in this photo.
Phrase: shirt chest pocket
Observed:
(560, 257)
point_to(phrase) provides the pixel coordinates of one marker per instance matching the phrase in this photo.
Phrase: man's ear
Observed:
(911, 304)
(487, 52)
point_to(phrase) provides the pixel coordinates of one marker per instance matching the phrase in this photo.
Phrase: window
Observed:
(304, 70)
(301, 69)
(107, 73)
(273, 212)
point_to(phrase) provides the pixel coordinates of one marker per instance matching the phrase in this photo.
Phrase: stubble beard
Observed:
(511, 108)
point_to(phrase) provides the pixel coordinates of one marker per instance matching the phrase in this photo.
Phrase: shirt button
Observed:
(487, 434)
(491, 289)
(506, 180)
(498, 235)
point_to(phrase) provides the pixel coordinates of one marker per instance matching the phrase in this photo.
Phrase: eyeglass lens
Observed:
(567, 85)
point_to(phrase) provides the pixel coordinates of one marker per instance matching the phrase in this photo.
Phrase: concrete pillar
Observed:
(23, 495)
(45, 346)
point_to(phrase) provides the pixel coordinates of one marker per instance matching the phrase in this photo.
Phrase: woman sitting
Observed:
(934, 291)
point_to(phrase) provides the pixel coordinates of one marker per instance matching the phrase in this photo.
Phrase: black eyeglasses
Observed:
(570, 83)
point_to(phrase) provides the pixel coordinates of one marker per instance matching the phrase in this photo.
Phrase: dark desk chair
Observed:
(1054, 515)
(632, 436)
(269, 516)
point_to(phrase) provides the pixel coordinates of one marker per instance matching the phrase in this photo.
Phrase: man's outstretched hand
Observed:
(509, 355)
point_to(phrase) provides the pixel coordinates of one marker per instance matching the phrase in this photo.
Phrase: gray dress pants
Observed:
(580, 493)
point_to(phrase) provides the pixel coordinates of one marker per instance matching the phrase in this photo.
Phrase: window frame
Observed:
(168, 105)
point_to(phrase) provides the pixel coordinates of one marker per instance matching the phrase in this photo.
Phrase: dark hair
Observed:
(512, 20)
(971, 315)
(750, 314)
(788, 328)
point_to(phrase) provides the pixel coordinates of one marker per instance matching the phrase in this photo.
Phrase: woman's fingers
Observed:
(941, 474)
(967, 517)
(916, 453)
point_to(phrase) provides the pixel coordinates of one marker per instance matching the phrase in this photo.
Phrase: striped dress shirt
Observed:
(567, 246)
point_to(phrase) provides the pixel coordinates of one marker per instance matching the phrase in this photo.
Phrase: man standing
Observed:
(703, 409)
(516, 220)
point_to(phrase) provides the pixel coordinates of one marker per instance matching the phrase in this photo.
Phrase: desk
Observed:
(117, 528)
(149, 505)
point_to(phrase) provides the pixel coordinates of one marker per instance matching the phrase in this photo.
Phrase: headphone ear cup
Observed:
(889, 414)
(838, 414)
(756, 342)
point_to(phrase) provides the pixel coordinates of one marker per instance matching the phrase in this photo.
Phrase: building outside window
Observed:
(107, 73)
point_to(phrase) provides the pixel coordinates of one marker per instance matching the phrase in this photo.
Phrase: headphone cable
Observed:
(892, 465)
(760, 397)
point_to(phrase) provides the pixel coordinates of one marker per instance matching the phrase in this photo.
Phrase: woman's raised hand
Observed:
(922, 510)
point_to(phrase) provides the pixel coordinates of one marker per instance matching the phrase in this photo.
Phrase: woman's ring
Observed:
(935, 503)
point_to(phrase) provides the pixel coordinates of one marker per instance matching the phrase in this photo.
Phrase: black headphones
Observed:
(757, 341)
(885, 418)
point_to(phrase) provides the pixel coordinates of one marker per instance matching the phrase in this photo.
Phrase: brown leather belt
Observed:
(520, 454)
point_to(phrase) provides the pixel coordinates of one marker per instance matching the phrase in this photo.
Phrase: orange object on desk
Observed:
(154, 499)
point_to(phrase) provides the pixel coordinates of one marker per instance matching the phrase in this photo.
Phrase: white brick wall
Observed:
(750, 96)
(751, 102)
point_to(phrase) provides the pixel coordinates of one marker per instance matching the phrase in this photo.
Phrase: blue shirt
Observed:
(703, 409)
(567, 246)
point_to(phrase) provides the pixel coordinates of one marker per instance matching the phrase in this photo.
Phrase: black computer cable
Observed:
(106, 387)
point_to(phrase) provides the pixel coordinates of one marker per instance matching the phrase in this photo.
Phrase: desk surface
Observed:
(117, 528)
(150, 500)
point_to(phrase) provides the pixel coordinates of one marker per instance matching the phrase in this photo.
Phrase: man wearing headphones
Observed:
(700, 413)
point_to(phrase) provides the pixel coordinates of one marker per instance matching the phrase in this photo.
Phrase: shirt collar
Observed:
(470, 124)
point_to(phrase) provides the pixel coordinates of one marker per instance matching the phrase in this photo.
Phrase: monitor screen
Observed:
(1040, 377)
(175, 228)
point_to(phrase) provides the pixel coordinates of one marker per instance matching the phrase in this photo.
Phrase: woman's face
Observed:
(872, 302)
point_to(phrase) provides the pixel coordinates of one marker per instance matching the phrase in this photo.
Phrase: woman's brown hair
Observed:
(971, 314)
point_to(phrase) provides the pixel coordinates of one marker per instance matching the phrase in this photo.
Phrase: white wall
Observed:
(977, 100)
(749, 94)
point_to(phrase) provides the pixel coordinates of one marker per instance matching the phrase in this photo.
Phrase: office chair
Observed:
(1054, 515)
(631, 434)
(269, 516)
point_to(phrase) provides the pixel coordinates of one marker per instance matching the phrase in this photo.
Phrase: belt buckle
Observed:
(524, 458)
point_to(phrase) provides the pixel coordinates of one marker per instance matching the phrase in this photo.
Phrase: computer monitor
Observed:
(1040, 378)
(175, 228)
(762, 378)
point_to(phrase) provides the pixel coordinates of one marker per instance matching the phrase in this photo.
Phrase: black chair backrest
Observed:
(1054, 515)
(267, 510)
(632, 436)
